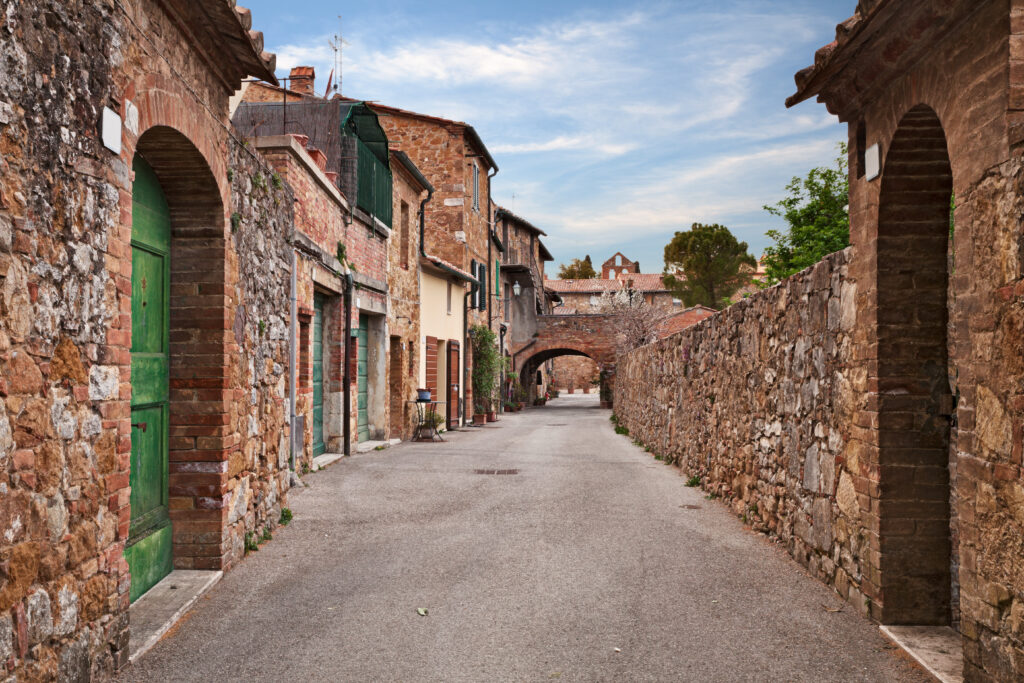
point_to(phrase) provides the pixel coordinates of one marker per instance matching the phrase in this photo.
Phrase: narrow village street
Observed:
(593, 562)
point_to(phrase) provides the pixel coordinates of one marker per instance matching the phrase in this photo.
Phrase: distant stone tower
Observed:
(618, 264)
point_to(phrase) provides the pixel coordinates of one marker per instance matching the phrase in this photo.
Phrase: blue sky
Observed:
(615, 123)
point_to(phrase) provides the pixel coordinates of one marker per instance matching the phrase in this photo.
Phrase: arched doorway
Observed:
(915, 398)
(148, 550)
(179, 406)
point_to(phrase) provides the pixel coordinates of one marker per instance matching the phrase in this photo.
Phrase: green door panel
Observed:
(318, 375)
(362, 379)
(149, 560)
(148, 551)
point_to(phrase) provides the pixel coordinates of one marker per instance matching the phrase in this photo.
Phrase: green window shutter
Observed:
(497, 279)
(483, 287)
(474, 295)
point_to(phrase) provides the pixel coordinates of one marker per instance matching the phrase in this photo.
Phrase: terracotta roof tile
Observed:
(680, 321)
(642, 282)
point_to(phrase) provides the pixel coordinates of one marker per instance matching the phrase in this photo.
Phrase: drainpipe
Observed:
(465, 349)
(501, 352)
(347, 373)
(490, 226)
(423, 223)
(292, 343)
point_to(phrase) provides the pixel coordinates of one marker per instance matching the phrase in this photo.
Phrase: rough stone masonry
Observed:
(66, 262)
(755, 402)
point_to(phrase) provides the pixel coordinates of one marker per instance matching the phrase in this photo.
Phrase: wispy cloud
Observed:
(624, 127)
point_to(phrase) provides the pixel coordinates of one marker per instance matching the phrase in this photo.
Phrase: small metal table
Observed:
(426, 420)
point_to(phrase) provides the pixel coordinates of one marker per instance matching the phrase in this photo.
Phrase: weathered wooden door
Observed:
(453, 384)
(318, 375)
(362, 377)
(148, 550)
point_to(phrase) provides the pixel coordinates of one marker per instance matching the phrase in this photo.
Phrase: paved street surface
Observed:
(587, 565)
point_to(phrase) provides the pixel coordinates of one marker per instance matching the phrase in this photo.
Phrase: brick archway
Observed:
(915, 401)
(200, 325)
(592, 336)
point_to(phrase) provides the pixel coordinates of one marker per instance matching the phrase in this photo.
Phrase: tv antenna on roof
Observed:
(338, 45)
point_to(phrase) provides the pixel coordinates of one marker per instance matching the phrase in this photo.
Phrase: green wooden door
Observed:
(318, 375)
(361, 383)
(148, 550)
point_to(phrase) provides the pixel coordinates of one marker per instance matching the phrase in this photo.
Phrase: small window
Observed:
(404, 238)
(476, 187)
(618, 260)
(449, 298)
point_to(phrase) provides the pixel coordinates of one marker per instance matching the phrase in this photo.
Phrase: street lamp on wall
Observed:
(517, 288)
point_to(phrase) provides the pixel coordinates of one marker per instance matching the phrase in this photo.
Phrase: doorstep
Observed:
(939, 649)
(163, 605)
(322, 461)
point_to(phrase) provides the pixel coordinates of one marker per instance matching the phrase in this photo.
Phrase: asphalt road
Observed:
(588, 565)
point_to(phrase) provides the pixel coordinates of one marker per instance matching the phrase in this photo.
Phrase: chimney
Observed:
(301, 80)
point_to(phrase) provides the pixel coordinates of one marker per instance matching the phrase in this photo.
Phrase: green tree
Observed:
(817, 213)
(577, 270)
(713, 264)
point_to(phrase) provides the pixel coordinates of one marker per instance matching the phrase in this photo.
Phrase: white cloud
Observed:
(617, 129)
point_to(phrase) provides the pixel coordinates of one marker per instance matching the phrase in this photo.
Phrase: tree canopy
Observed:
(816, 211)
(712, 262)
(577, 270)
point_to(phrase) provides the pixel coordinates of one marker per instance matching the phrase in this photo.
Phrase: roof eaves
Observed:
(413, 170)
(468, 129)
(502, 211)
(829, 59)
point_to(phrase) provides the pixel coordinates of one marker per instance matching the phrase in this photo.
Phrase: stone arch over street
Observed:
(592, 336)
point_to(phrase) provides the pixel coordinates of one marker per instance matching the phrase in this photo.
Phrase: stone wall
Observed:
(66, 323)
(575, 374)
(262, 207)
(755, 402)
(403, 304)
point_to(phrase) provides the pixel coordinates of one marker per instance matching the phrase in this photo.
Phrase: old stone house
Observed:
(317, 319)
(143, 335)
(356, 157)
(458, 220)
(405, 308)
(520, 295)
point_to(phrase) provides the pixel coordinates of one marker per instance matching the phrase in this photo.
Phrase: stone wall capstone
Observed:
(756, 402)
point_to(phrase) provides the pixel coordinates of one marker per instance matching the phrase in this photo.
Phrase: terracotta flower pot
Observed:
(492, 416)
(479, 418)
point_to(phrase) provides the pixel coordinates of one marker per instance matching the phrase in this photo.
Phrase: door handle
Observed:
(140, 425)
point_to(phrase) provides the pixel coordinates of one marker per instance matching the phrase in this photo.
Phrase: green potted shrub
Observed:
(487, 364)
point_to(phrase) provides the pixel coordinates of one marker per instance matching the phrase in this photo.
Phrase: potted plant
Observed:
(487, 364)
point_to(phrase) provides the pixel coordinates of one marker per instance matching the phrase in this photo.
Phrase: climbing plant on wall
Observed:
(487, 365)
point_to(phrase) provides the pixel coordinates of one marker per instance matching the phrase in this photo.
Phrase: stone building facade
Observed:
(522, 263)
(318, 327)
(453, 158)
(618, 265)
(351, 148)
(144, 284)
(920, 482)
(405, 312)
